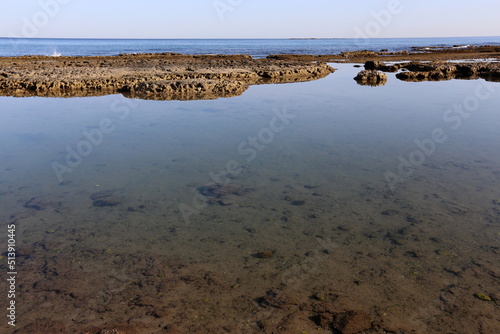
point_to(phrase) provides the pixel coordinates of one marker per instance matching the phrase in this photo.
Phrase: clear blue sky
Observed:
(247, 18)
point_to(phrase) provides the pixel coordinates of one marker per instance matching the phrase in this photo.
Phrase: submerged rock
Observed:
(219, 190)
(105, 198)
(483, 297)
(101, 194)
(351, 322)
(35, 204)
(222, 194)
(264, 254)
(106, 202)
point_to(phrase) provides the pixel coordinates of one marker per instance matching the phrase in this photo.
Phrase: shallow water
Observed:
(322, 186)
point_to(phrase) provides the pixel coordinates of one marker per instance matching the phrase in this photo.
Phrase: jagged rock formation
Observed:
(439, 70)
(371, 78)
(381, 66)
(164, 76)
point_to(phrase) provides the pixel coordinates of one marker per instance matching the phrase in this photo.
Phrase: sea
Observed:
(255, 47)
(308, 207)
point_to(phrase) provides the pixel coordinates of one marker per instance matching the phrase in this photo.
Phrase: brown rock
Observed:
(381, 66)
(351, 322)
(357, 54)
(373, 65)
(264, 255)
(439, 70)
(111, 331)
(173, 330)
(324, 320)
(371, 78)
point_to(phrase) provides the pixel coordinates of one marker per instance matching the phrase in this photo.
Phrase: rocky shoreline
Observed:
(488, 52)
(373, 74)
(173, 76)
(165, 76)
(438, 71)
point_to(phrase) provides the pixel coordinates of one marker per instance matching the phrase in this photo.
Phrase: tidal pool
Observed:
(285, 209)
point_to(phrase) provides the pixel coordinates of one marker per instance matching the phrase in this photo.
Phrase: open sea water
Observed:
(254, 47)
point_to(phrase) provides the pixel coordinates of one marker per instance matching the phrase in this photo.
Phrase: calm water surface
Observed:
(313, 159)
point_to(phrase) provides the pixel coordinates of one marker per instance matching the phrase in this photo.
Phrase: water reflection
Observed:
(308, 227)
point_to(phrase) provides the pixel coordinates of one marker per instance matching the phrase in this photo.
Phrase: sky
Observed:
(248, 18)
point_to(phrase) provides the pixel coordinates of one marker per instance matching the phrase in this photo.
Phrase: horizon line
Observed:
(247, 38)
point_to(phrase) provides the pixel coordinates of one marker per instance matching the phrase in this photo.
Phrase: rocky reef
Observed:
(439, 70)
(371, 78)
(165, 76)
(480, 53)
